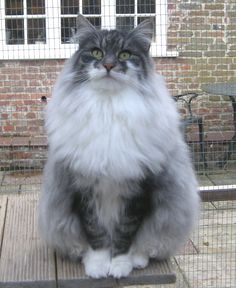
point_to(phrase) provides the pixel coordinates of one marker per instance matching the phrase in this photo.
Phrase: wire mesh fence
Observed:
(193, 46)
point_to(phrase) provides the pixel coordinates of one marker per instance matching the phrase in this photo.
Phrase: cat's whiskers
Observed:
(128, 80)
(81, 77)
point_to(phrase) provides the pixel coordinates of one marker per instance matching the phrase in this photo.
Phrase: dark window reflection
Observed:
(124, 6)
(96, 21)
(146, 6)
(35, 7)
(92, 7)
(68, 29)
(125, 23)
(14, 31)
(36, 31)
(14, 7)
(69, 6)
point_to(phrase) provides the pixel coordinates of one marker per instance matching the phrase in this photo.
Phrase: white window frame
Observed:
(54, 49)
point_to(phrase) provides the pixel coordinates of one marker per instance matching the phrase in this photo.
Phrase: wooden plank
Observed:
(71, 275)
(218, 193)
(155, 273)
(3, 207)
(25, 260)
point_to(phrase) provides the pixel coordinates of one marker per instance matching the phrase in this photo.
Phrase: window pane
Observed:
(146, 6)
(153, 19)
(14, 7)
(96, 21)
(124, 6)
(36, 31)
(69, 7)
(14, 31)
(35, 7)
(125, 23)
(68, 28)
(92, 7)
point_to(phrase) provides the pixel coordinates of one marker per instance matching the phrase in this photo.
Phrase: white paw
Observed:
(140, 261)
(97, 263)
(121, 266)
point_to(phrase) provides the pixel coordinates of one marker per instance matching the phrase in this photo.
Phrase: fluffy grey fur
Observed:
(118, 186)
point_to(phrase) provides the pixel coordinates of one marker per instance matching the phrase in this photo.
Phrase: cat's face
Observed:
(108, 59)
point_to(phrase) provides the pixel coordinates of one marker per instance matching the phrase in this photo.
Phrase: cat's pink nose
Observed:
(108, 66)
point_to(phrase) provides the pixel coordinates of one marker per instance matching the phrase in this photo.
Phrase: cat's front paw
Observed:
(121, 266)
(97, 263)
(140, 261)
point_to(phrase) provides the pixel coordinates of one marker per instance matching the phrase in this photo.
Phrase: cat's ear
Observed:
(83, 25)
(85, 30)
(143, 33)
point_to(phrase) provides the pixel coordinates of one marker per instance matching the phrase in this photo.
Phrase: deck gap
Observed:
(3, 229)
(117, 284)
(56, 270)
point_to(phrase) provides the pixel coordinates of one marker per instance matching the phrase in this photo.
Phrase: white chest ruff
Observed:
(100, 135)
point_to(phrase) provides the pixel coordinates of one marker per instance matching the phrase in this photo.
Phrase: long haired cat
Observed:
(118, 185)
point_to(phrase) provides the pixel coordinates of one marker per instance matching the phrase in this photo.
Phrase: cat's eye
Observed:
(124, 55)
(97, 53)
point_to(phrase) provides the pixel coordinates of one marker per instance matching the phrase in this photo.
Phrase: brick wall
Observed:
(22, 86)
(204, 34)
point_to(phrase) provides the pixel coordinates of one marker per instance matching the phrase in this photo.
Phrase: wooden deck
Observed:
(25, 261)
(208, 260)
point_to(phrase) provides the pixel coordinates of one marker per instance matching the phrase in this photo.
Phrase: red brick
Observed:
(8, 128)
(5, 141)
(38, 141)
(22, 108)
(20, 141)
(21, 155)
(30, 115)
(13, 77)
(4, 116)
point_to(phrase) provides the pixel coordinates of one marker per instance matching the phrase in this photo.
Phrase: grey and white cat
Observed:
(118, 185)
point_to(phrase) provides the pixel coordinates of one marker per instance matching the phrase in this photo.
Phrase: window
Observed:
(25, 26)
(69, 10)
(39, 29)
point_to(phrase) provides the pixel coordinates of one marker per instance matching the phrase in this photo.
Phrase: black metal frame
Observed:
(192, 119)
